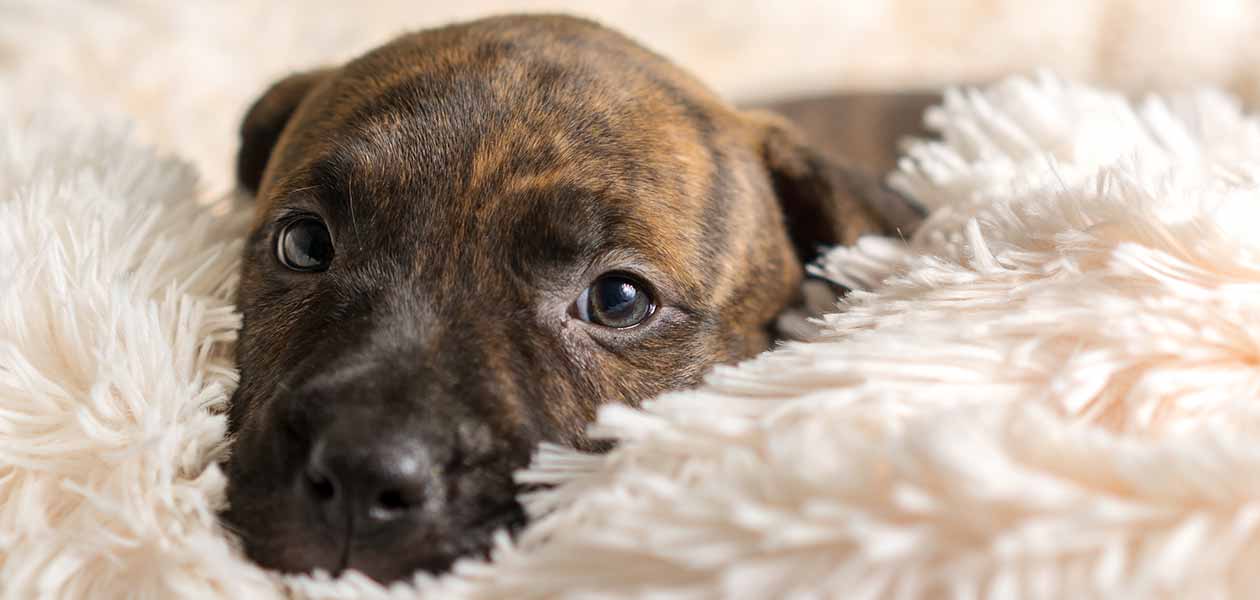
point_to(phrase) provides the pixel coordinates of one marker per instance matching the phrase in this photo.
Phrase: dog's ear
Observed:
(265, 121)
(826, 201)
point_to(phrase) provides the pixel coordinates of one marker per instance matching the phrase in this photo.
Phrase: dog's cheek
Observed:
(262, 506)
(276, 532)
(765, 290)
(674, 356)
(273, 309)
(259, 360)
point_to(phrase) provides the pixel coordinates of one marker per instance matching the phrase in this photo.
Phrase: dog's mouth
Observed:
(278, 536)
(475, 541)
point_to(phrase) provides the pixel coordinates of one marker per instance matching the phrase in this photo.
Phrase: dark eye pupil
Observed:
(618, 302)
(616, 295)
(306, 246)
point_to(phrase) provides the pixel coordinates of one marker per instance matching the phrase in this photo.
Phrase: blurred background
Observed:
(184, 71)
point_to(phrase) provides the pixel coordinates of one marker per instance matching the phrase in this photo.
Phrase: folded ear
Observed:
(265, 121)
(825, 201)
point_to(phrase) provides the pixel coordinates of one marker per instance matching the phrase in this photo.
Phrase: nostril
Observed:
(392, 500)
(320, 486)
(373, 483)
(392, 504)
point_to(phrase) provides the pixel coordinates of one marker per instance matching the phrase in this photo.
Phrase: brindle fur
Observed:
(475, 178)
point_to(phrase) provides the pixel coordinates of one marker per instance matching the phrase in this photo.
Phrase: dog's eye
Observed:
(304, 245)
(615, 300)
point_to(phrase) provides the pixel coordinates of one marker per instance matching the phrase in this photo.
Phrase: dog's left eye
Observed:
(615, 300)
(304, 245)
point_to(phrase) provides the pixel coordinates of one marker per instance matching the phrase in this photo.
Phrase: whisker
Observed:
(236, 530)
(350, 199)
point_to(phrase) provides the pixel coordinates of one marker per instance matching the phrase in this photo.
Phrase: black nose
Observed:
(367, 481)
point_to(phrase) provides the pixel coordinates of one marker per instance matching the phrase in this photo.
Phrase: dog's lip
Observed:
(372, 554)
(476, 542)
(387, 573)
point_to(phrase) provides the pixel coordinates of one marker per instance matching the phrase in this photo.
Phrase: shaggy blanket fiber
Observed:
(1049, 391)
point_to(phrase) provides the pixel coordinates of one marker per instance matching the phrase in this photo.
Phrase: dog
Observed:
(467, 240)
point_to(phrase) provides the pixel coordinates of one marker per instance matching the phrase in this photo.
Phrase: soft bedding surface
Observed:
(1049, 391)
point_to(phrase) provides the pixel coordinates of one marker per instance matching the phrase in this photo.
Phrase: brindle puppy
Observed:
(467, 240)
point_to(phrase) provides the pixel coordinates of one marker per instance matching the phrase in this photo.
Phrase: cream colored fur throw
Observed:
(1050, 391)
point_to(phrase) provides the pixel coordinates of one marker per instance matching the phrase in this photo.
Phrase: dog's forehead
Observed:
(556, 135)
(535, 188)
(474, 162)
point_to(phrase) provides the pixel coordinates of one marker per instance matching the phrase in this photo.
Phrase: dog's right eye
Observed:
(304, 245)
(615, 300)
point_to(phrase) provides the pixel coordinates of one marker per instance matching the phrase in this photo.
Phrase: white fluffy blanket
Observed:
(1050, 391)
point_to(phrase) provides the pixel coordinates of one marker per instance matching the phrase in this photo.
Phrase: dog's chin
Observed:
(298, 556)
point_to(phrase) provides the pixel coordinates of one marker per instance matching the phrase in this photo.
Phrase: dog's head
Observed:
(467, 240)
